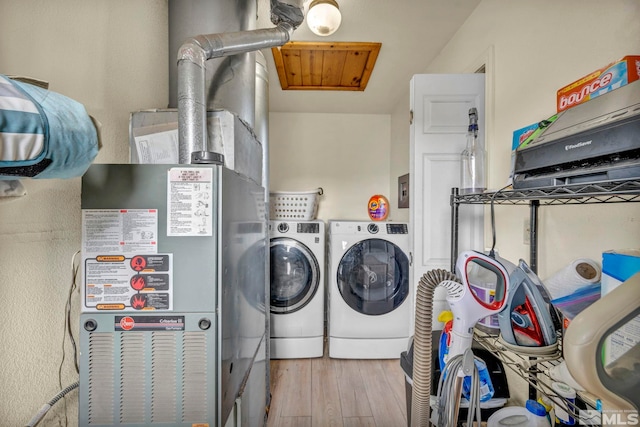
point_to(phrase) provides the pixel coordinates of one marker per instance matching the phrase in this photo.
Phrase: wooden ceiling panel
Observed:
(332, 66)
(354, 66)
(325, 66)
(293, 67)
(311, 62)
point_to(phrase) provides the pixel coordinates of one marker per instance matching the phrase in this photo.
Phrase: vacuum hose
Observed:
(422, 345)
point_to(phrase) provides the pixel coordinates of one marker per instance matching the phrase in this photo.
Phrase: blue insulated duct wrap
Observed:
(43, 134)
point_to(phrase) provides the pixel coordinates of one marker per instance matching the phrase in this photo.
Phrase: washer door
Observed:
(295, 275)
(373, 276)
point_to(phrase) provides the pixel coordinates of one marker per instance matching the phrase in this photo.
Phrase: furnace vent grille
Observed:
(194, 377)
(132, 377)
(101, 378)
(163, 377)
(140, 378)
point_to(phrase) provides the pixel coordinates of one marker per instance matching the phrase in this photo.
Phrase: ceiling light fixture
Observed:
(323, 17)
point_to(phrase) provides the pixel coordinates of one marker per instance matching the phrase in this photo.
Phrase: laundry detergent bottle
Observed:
(538, 414)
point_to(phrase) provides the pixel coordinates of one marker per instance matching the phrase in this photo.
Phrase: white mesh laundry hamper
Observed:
(296, 205)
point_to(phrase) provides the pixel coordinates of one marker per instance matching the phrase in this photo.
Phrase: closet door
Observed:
(440, 105)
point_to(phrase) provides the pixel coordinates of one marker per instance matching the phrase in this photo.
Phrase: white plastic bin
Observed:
(296, 205)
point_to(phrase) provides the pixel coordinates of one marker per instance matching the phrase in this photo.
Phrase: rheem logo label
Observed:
(127, 323)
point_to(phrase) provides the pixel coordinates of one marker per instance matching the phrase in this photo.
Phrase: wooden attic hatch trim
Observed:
(325, 65)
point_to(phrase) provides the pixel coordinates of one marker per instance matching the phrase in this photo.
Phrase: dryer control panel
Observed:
(397, 229)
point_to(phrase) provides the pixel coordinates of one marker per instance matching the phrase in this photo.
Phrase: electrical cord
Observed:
(72, 288)
(67, 328)
(446, 404)
(493, 221)
(45, 408)
(544, 353)
(550, 352)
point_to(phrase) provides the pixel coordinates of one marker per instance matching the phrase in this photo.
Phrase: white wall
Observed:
(110, 55)
(345, 154)
(399, 155)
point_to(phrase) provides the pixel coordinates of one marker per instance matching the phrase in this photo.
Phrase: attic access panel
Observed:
(325, 65)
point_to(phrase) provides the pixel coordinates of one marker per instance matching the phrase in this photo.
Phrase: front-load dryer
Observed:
(297, 262)
(369, 291)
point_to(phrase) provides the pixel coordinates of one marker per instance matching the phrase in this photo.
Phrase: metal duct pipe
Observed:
(261, 122)
(229, 81)
(261, 129)
(192, 105)
(228, 84)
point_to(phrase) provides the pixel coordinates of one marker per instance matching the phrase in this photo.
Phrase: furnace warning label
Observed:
(134, 282)
(189, 202)
(119, 231)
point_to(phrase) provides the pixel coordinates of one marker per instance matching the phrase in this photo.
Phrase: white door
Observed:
(440, 106)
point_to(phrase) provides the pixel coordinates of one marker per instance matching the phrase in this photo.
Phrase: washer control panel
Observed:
(309, 227)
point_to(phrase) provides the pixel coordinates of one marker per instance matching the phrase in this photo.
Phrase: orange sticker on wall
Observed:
(378, 207)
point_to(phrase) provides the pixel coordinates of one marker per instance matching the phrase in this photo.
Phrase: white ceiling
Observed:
(412, 33)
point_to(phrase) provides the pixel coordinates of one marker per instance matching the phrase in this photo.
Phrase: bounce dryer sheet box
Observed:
(599, 82)
(618, 266)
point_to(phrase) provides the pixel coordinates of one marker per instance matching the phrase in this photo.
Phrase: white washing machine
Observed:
(369, 291)
(297, 262)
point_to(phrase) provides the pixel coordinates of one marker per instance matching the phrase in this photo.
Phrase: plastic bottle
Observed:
(472, 167)
(445, 337)
(486, 386)
(548, 406)
(538, 414)
(564, 414)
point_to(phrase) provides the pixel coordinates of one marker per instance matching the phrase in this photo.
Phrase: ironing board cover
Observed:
(43, 134)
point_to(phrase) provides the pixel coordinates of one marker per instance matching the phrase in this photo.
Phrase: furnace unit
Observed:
(173, 294)
(174, 329)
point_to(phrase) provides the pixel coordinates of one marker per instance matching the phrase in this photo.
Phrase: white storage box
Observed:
(296, 205)
(617, 267)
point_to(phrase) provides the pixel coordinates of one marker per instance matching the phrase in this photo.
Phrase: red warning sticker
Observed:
(138, 263)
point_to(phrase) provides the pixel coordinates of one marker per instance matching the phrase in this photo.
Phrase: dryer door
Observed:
(373, 276)
(295, 275)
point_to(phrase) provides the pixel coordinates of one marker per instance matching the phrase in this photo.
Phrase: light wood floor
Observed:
(326, 392)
